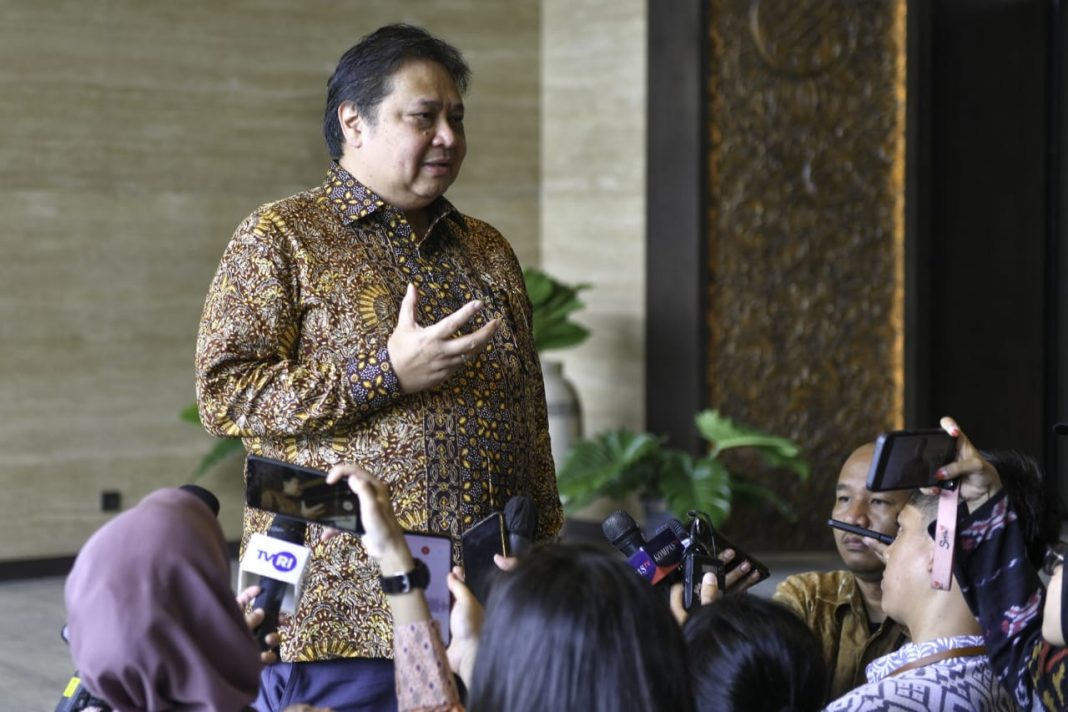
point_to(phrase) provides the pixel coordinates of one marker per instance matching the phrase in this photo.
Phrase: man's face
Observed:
(908, 566)
(412, 152)
(855, 504)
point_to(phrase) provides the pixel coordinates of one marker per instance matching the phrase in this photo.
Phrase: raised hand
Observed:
(424, 357)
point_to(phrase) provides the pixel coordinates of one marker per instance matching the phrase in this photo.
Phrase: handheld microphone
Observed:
(623, 533)
(655, 560)
(279, 558)
(520, 521)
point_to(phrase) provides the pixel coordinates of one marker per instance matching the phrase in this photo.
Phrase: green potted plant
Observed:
(553, 304)
(619, 463)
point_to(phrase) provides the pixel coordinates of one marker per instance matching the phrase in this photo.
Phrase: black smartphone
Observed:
(723, 542)
(702, 532)
(860, 531)
(300, 493)
(479, 544)
(694, 568)
(907, 459)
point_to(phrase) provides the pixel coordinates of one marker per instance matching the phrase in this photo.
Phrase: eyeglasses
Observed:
(1054, 557)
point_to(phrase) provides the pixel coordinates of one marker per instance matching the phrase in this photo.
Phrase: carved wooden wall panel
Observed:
(806, 121)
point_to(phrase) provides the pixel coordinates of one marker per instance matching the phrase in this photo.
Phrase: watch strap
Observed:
(418, 577)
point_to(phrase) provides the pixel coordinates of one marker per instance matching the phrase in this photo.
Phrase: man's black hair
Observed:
(364, 73)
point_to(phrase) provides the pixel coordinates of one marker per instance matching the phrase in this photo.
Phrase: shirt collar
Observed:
(353, 201)
(881, 667)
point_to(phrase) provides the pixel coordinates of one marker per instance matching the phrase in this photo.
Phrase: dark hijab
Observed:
(153, 623)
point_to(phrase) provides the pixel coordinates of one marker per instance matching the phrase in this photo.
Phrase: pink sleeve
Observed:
(423, 677)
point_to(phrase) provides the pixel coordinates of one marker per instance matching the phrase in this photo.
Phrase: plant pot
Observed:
(565, 414)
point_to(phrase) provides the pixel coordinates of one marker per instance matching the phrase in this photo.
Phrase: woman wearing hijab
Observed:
(152, 621)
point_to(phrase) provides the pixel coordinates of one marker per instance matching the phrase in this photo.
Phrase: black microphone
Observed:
(272, 591)
(622, 531)
(204, 496)
(521, 521)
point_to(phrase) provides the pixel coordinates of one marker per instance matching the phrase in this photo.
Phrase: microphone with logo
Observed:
(658, 560)
(278, 558)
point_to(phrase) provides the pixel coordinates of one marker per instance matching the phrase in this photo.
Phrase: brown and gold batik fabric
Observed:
(292, 357)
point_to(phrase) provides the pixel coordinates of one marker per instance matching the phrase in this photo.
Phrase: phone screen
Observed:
(907, 459)
(300, 493)
(479, 544)
(436, 551)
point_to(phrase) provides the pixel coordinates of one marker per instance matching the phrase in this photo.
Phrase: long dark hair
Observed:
(753, 655)
(574, 628)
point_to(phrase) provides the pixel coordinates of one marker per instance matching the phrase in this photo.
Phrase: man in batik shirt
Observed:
(368, 321)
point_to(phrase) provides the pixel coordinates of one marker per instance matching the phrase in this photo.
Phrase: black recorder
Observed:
(908, 459)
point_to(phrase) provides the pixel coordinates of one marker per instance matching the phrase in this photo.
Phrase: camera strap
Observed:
(945, 538)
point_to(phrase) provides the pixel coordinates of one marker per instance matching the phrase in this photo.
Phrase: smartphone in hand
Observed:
(908, 459)
(300, 493)
(479, 544)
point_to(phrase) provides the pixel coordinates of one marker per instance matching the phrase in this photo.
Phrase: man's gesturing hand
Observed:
(424, 357)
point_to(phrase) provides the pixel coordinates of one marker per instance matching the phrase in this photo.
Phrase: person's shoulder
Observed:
(816, 580)
(299, 204)
(814, 589)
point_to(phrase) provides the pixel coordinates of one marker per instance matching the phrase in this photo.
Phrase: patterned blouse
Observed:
(292, 357)
(1005, 593)
(955, 683)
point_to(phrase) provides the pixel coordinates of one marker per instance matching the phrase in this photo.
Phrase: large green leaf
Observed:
(703, 484)
(603, 465)
(553, 302)
(223, 450)
(558, 335)
(724, 435)
(191, 414)
(753, 494)
(539, 286)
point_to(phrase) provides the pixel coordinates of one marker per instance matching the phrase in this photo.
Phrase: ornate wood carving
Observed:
(806, 211)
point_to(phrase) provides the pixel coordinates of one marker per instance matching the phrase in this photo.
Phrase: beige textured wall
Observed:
(134, 137)
(593, 193)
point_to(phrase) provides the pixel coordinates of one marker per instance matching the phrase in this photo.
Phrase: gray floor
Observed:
(35, 665)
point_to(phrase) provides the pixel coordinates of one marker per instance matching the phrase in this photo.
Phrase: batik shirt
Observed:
(292, 357)
(957, 684)
(1005, 593)
(830, 603)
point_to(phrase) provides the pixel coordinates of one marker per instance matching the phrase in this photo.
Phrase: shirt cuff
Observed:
(372, 381)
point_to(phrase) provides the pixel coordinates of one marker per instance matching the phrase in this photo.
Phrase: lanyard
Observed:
(967, 652)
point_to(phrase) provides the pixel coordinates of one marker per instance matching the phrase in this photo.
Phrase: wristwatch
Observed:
(419, 577)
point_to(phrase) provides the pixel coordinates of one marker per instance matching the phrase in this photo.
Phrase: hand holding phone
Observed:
(861, 531)
(480, 543)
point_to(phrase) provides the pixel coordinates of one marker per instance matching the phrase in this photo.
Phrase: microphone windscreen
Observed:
(520, 516)
(204, 496)
(623, 532)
